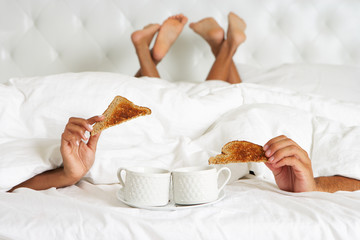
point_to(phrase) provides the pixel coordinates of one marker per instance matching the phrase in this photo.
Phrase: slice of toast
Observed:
(239, 151)
(119, 111)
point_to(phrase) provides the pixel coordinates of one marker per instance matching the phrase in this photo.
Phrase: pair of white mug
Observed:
(145, 186)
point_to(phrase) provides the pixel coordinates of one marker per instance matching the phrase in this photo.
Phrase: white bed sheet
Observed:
(189, 123)
(251, 209)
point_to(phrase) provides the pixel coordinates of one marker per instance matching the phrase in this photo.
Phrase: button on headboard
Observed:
(40, 37)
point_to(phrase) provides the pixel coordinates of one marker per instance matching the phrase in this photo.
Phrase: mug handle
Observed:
(227, 178)
(122, 182)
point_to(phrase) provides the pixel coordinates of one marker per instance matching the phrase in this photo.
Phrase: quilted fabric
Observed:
(40, 37)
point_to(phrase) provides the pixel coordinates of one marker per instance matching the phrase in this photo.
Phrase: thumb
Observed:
(93, 140)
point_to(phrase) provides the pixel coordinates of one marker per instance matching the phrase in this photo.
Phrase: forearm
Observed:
(52, 178)
(336, 183)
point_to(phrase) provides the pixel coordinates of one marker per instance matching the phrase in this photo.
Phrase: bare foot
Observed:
(144, 36)
(211, 31)
(169, 32)
(236, 28)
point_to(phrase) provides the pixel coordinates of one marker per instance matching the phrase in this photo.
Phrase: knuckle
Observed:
(67, 127)
(293, 148)
(73, 138)
(277, 155)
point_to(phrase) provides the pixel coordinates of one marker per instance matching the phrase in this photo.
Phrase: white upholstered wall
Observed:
(39, 37)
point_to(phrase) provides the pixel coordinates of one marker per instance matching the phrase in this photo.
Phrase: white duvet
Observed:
(189, 123)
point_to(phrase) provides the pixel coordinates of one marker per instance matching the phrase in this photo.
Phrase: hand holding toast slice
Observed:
(119, 111)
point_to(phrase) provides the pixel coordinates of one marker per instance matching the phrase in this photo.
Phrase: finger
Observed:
(288, 151)
(297, 166)
(273, 140)
(275, 170)
(95, 119)
(77, 130)
(68, 137)
(92, 143)
(81, 122)
(281, 143)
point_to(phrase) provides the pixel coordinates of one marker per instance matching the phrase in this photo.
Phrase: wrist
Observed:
(318, 186)
(70, 178)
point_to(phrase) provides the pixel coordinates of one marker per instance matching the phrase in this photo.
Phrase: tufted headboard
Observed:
(40, 37)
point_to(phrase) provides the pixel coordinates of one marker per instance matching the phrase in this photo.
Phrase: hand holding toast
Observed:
(290, 165)
(78, 156)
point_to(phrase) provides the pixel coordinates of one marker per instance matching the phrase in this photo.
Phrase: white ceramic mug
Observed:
(196, 185)
(145, 186)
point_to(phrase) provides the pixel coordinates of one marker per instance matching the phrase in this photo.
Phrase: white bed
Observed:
(300, 68)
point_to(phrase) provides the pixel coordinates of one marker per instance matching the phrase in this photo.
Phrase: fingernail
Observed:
(268, 153)
(271, 159)
(90, 127)
(266, 147)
